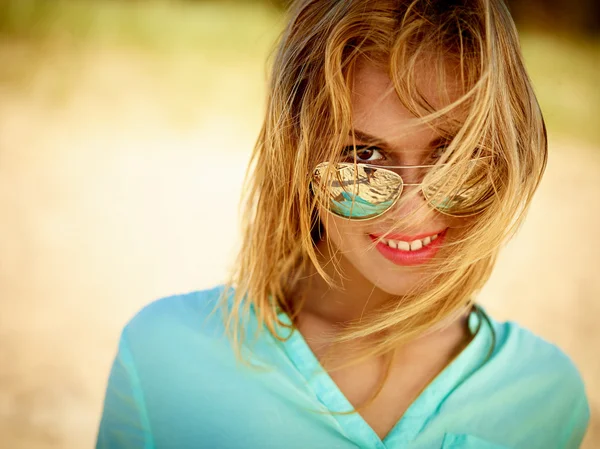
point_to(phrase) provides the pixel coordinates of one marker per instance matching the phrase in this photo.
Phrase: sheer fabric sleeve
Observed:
(124, 422)
(577, 425)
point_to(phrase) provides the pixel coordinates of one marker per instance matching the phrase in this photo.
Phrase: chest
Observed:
(382, 405)
(403, 385)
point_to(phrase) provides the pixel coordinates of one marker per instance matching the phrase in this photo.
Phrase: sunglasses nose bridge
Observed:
(409, 199)
(410, 203)
(411, 175)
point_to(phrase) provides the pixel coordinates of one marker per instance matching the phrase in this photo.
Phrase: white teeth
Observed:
(417, 244)
(404, 246)
(412, 246)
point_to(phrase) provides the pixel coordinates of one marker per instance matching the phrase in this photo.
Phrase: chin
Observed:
(366, 267)
(400, 283)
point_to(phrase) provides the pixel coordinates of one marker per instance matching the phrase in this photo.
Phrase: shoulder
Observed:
(179, 315)
(526, 355)
(539, 381)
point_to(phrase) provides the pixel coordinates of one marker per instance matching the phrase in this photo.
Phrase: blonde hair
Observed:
(308, 119)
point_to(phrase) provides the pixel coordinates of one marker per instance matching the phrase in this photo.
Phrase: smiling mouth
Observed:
(413, 244)
(403, 250)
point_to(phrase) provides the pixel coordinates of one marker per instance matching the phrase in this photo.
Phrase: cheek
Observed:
(457, 225)
(344, 234)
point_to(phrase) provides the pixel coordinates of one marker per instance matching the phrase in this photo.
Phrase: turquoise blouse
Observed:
(175, 384)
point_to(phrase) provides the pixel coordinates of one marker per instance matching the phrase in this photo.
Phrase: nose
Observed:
(411, 205)
(411, 174)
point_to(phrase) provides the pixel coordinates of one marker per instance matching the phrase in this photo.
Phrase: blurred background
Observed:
(110, 112)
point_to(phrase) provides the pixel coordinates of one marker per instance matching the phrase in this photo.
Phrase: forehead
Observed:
(378, 109)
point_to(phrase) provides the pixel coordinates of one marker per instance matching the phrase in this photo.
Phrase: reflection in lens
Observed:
(461, 190)
(357, 191)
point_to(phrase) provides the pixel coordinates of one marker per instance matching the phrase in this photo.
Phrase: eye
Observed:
(438, 152)
(363, 154)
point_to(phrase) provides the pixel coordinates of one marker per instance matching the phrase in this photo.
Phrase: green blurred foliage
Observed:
(154, 24)
(580, 17)
(566, 72)
(565, 67)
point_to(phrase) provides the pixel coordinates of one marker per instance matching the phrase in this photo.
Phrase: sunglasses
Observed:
(360, 191)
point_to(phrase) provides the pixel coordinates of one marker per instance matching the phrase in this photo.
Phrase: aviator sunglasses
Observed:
(364, 191)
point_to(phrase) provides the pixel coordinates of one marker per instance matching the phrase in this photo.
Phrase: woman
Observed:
(401, 147)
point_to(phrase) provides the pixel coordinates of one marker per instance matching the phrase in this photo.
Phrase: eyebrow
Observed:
(377, 141)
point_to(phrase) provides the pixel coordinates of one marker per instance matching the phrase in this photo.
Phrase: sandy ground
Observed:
(104, 207)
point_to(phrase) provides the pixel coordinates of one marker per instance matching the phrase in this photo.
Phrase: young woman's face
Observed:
(378, 115)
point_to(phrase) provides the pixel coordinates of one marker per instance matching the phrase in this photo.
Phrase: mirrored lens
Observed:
(460, 190)
(356, 191)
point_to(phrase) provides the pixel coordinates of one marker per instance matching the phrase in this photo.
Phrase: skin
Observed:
(370, 280)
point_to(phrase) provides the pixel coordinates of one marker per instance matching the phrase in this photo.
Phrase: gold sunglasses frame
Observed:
(402, 184)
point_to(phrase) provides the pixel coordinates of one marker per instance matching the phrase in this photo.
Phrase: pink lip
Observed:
(409, 258)
(409, 238)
